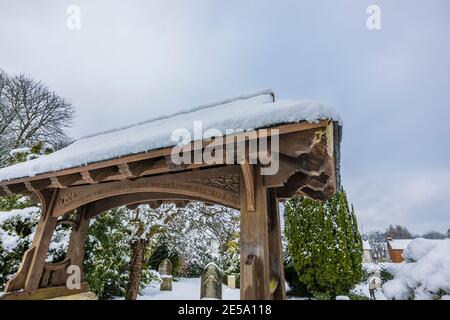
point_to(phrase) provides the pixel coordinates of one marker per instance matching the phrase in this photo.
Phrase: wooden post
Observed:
(76, 248)
(75, 251)
(255, 276)
(276, 260)
(41, 242)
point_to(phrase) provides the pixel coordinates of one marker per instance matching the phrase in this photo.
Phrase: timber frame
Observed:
(309, 165)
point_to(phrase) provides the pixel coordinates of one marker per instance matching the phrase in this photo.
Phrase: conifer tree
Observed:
(324, 244)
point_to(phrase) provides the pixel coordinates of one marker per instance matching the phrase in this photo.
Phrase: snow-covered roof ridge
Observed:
(246, 112)
(189, 110)
(366, 245)
(399, 244)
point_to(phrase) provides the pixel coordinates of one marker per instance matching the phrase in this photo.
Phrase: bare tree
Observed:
(31, 113)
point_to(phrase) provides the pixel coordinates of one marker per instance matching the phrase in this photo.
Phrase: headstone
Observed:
(231, 281)
(165, 270)
(211, 283)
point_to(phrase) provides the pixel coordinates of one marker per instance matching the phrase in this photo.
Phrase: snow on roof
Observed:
(366, 245)
(246, 112)
(399, 244)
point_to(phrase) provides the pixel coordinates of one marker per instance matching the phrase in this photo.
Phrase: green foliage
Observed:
(324, 245)
(321, 295)
(18, 229)
(386, 275)
(353, 296)
(14, 202)
(230, 259)
(27, 154)
(108, 255)
(297, 288)
(159, 254)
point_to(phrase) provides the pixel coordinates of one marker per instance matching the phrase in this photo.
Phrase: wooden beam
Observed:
(45, 293)
(248, 175)
(249, 274)
(283, 129)
(135, 199)
(41, 184)
(6, 191)
(69, 179)
(148, 167)
(86, 176)
(276, 258)
(298, 143)
(125, 171)
(176, 183)
(103, 174)
(173, 166)
(18, 188)
(76, 249)
(254, 242)
(17, 282)
(41, 241)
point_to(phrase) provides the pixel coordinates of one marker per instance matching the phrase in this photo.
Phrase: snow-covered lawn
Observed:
(183, 289)
(362, 289)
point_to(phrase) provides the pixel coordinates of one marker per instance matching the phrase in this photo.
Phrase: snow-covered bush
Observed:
(424, 275)
(324, 245)
(16, 234)
(108, 254)
(202, 234)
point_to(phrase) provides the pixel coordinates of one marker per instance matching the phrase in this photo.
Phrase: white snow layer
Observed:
(245, 113)
(399, 244)
(427, 276)
(13, 152)
(9, 241)
(20, 213)
(183, 289)
(366, 245)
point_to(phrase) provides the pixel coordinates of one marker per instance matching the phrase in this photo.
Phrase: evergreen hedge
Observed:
(324, 246)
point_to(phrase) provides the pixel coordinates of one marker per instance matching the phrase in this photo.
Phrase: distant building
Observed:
(367, 252)
(396, 247)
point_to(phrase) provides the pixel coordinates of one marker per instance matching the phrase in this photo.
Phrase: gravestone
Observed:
(211, 283)
(165, 270)
(231, 281)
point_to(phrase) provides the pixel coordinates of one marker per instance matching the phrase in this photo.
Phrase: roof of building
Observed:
(399, 244)
(366, 245)
(247, 112)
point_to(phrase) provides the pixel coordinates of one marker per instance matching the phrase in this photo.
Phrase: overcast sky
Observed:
(133, 60)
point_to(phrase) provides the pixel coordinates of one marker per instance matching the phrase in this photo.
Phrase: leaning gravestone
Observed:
(165, 270)
(211, 283)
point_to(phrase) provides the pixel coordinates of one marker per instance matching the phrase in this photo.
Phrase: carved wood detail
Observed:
(74, 197)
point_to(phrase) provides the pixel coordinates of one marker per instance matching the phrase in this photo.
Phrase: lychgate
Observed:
(133, 165)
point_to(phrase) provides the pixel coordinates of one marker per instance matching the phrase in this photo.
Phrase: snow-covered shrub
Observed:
(202, 234)
(324, 244)
(16, 234)
(108, 254)
(424, 275)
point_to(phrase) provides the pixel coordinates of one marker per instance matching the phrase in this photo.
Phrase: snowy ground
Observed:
(424, 275)
(183, 289)
(362, 289)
